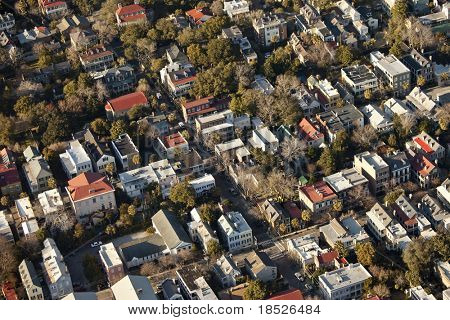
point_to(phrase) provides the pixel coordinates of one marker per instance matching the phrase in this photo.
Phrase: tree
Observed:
(131, 210)
(368, 94)
(207, 212)
(110, 230)
(341, 249)
(344, 55)
(216, 81)
(391, 196)
(150, 230)
(78, 231)
(45, 57)
(183, 193)
(4, 201)
(24, 106)
(118, 127)
(213, 248)
(58, 128)
(60, 221)
(100, 126)
(6, 130)
(256, 290)
(143, 86)
(52, 183)
(292, 148)
(306, 215)
(365, 136)
(92, 268)
(8, 258)
(278, 186)
(365, 252)
(219, 50)
(136, 160)
(327, 161)
(418, 257)
(217, 7)
(381, 290)
(110, 169)
(295, 224)
(421, 81)
(392, 140)
(197, 55)
(338, 206)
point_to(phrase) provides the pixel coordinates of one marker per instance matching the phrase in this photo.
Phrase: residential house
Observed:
(170, 290)
(260, 267)
(10, 184)
(347, 181)
(28, 38)
(399, 167)
(7, 21)
(419, 66)
(392, 72)
(139, 251)
(136, 182)
(305, 249)
(299, 48)
(262, 138)
(418, 293)
(99, 152)
(53, 9)
(433, 211)
(126, 153)
(348, 231)
(307, 18)
(81, 40)
(208, 121)
(170, 229)
(367, 17)
(5, 229)
(118, 81)
(231, 150)
(344, 92)
(407, 214)
(111, 263)
(310, 133)
(443, 271)
(130, 14)
(329, 260)
(203, 185)
(359, 78)
(91, 194)
(96, 58)
(37, 173)
(270, 29)
(437, 20)
(375, 117)
(198, 16)
(420, 101)
(262, 84)
(132, 287)
(189, 165)
(423, 170)
(201, 232)
(324, 91)
(443, 193)
(276, 215)
(235, 232)
(339, 119)
(175, 55)
(394, 106)
(193, 284)
(179, 78)
(317, 197)
(378, 221)
(202, 107)
(72, 24)
(28, 223)
(374, 168)
(75, 160)
(119, 107)
(157, 126)
(234, 8)
(30, 280)
(50, 201)
(224, 132)
(226, 271)
(55, 271)
(346, 283)
(171, 146)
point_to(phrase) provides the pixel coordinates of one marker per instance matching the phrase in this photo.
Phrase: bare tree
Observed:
(292, 148)
(102, 91)
(360, 196)
(150, 268)
(8, 258)
(105, 32)
(278, 185)
(246, 181)
(408, 121)
(244, 74)
(143, 86)
(418, 35)
(365, 136)
(381, 290)
(286, 84)
(217, 7)
(60, 221)
(266, 108)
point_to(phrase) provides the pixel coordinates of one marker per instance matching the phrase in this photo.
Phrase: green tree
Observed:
(207, 212)
(78, 231)
(368, 94)
(100, 126)
(131, 210)
(365, 252)
(197, 55)
(24, 106)
(338, 205)
(216, 81)
(92, 268)
(344, 55)
(306, 215)
(110, 230)
(392, 140)
(213, 248)
(295, 224)
(52, 183)
(219, 50)
(183, 193)
(391, 196)
(341, 249)
(118, 127)
(45, 57)
(58, 129)
(327, 161)
(421, 81)
(256, 290)
(4, 201)
(6, 130)
(243, 102)
(150, 230)
(418, 257)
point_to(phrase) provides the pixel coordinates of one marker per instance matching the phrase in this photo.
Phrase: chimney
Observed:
(119, 5)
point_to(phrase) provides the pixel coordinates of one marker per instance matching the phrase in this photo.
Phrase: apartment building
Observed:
(358, 79)
(55, 271)
(97, 58)
(433, 211)
(392, 72)
(327, 95)
(111, 263)
(346, 283)
(193, 284)
(375, 117)
(423, 171)
(235, 231)
(378, 220)
(270, 29)
(418, 100)
(178, 78)
(375, 169)
(407, 214)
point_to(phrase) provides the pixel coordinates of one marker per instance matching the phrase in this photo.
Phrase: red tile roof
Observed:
(126, 102)
(318, 192)
(196, 103)
(423, 145)
(88, 185)
(174, 140)
(184, 80)
(308, 130)
(327, 257)
(135, 17)
(51, 3)
(421, 164)
(292, 294)
(8, 174)
(196, 15)
(130, 9)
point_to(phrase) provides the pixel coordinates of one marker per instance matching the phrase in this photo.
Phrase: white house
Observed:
(51, 201)
(260, 267)
(236, 7)
(91, 193)
(28, 225)
(226, 271)
(75, 160)
(235, 231)
(264, 139)
(377, 118)
(203, 184)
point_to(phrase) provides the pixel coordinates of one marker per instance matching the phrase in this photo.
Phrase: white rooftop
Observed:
(109, 255)
(345, 179)
(343, 277)
(233, 222)
(50, 201)
(24, 208)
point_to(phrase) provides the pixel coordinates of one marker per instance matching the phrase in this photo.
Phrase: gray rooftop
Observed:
(343, 277)
(170, 228)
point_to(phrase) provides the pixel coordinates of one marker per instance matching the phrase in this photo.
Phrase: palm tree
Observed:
(306, 216)
(136, 159)
(110, 230)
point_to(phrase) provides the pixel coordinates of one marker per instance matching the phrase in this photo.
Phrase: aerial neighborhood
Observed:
(224, 150)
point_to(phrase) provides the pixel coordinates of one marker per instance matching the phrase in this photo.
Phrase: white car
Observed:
(96, 244)
(299, 276)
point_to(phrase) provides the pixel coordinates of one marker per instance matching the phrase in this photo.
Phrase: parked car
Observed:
(299, 276)
(96, 244)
